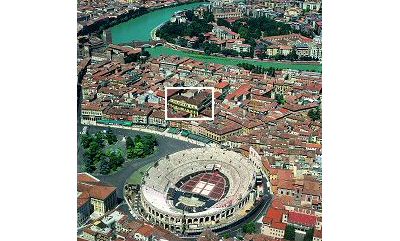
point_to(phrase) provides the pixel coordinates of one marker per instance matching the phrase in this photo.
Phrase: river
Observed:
(140, 28)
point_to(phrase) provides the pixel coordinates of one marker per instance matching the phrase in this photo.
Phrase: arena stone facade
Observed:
(158, 208)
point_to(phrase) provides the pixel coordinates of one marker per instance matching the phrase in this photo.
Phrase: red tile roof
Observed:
(145, 230)
(273, 215)
(92, 188)
(279, 202)
(278, 225)
(222, 85)
(285, 174)
(244, 89)
(96, 190)
(303, 219)
(86, 177)
(318, 233)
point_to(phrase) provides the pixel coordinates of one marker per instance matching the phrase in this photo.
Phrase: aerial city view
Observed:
(199, 120)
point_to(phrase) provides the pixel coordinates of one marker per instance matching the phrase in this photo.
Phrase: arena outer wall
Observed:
(238, 201)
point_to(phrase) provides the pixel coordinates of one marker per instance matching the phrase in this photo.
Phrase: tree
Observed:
(145, 53)
(196, 44)
(201, 38)
(226, 235)
(182, 42)
(86, 139)
(243, 32)
(262, 55)
(111, 138)
(130, 153)
(92, 150)
(290, 232)
(129, 143)
(98, 157)
(292, 56)
(99, 139)
(149, 141)
(279, 57)
(210, 48)
(315, 114)
(271, 71)
(309, 235)
(193, 27)
(104, 167)
(138, 138)
(229, 52)
(249, 228)
(89, 168)
(280, 98)
(246, 54)
(138, 151)
(223, 22)
(87, 165)
(247, 66)
(190, 15)
(208, 17)
(116, 160)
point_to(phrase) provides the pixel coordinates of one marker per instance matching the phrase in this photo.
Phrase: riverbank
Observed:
(173, 49)
(107, 22)
(200, 55)
(161, 50)
(140, 28)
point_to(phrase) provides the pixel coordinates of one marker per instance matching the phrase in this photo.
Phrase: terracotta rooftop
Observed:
(273, 215)
(94, 189)
(302, 219)
(145, 230)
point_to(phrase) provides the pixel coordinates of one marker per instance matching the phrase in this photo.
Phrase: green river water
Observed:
(140, 29)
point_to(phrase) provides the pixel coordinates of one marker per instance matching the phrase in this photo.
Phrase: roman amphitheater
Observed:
(200, 188)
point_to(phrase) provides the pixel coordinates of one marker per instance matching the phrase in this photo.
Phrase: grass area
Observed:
(136, 176)
(161, 50)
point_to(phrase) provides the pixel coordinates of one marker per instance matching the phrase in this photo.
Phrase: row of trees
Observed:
(270, 71)
(140, 146)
